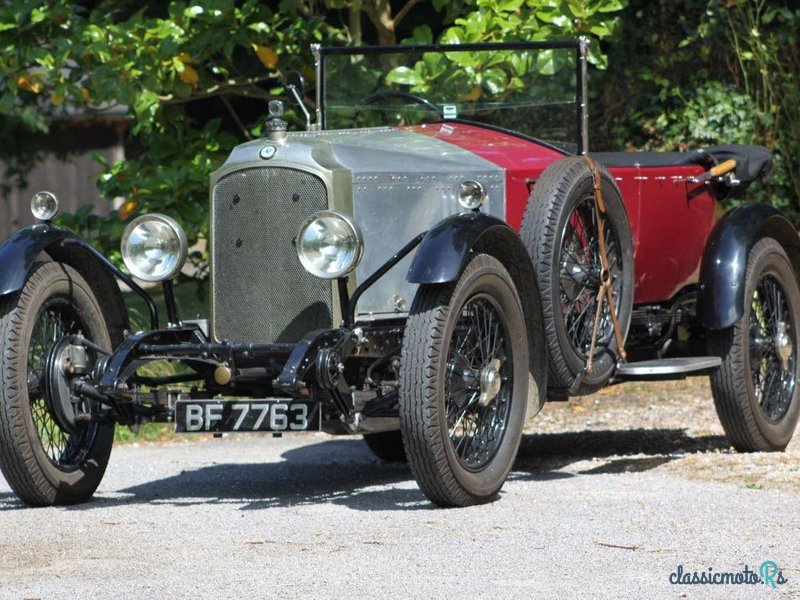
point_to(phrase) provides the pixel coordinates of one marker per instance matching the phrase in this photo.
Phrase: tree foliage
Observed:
(691, 73)
(194, 77)
(177, 73)
(763, 34)
(537, 20)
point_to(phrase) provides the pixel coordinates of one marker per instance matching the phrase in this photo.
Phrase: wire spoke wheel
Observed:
(65, 450)
(755, 388)
(580, 282)
(561, 232)
(45, 459)
(478, 383)
(464, 384)
(773, 356)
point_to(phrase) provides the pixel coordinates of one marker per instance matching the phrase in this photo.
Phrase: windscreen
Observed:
(525, 88)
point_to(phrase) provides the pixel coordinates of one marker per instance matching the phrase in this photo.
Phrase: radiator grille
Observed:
(261, 293)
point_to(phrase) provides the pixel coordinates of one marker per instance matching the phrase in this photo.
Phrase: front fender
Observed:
(445, 249)
(444, 252)
(20, 251)
(720, 301)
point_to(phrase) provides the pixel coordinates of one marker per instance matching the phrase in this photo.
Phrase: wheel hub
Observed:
(783, 344)
(65, 361)
(576, 272)
(490, 382)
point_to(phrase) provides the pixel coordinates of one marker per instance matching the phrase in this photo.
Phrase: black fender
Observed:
(720, 300)
(447, 246)
(20, 251)
(445, 250)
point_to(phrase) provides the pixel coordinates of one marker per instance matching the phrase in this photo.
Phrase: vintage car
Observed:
(435, 257)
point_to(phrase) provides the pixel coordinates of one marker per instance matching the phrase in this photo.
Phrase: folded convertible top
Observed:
(751, 161)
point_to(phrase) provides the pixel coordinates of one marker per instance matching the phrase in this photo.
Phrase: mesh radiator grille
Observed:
(261, 292)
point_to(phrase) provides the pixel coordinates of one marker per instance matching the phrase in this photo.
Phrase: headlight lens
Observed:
(154, 247)
(471, 194)
(44, 205)
(329, 245)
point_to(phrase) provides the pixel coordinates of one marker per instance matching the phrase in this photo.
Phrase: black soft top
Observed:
(751, 161)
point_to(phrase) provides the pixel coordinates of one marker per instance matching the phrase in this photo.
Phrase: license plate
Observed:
(270, 415)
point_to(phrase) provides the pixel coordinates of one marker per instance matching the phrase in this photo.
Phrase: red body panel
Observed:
(521, 159)
(669, 225)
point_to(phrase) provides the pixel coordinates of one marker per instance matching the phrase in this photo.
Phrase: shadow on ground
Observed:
(343, 471)
(627, 450)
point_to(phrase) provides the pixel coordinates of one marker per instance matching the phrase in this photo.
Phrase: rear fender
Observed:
(720, 301)
(444, 253)
(20, 251)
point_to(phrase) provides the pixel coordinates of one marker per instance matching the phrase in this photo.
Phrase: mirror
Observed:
(296, 87)
(297, 81)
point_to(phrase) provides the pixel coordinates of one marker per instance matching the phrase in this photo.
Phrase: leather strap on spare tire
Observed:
(605, 277)
(561, 231)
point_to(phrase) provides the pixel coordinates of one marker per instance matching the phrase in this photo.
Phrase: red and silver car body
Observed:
(404, 181)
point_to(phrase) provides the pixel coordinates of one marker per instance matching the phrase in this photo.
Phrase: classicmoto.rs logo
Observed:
(767, 574)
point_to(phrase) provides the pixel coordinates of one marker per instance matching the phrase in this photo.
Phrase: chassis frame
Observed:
(313, 368)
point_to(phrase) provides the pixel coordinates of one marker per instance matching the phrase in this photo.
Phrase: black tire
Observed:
(755, 391)
(42, 463)
(464, 459)
(567, 263)
(386, 445)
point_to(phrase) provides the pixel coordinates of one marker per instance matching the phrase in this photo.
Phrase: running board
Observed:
(666, 368)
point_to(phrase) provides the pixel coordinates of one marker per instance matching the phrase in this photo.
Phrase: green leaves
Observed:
(764, 33)
(404, 76)
(538, 20)
(134, 61)
(496, 81)
(156, 62)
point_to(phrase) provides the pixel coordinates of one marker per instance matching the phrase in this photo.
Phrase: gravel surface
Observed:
(609, 495)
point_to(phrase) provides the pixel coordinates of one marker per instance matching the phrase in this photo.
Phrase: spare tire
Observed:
(560, 231)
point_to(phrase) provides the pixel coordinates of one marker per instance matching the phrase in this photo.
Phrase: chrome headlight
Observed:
(44, 205)
(471, 195)
(154, 247)
(329, 245)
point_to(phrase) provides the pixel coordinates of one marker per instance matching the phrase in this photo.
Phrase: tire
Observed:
(755, 390)
(558, 226)
(44, 464)
(462, 433)
(386, 445)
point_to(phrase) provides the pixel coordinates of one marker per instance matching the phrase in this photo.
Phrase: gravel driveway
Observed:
(609, 495)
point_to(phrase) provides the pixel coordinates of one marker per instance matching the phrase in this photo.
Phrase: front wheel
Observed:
(755, 390)
(44, 463)
(463, 384)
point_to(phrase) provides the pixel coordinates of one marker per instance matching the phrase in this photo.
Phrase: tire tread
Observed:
(423, 344)
(18, 461)
(729, 384)
(541, 236)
